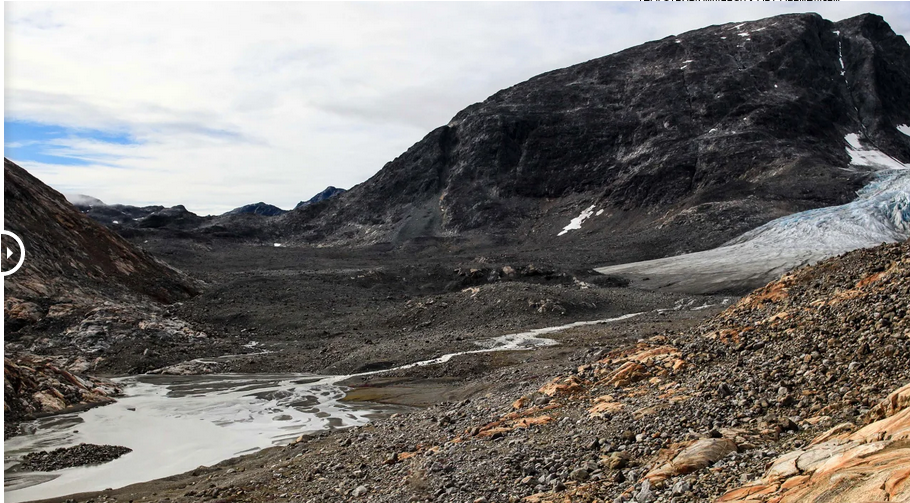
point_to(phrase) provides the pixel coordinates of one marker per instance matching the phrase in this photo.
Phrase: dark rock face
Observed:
(70, 257)
(328, 193)
(139, 216)
(266, 210)
(684, 143)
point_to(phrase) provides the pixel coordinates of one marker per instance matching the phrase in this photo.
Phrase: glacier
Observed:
(879, 214)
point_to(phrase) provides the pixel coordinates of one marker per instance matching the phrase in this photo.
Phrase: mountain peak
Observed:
(329, 192)
(704, 135)
(259, 208)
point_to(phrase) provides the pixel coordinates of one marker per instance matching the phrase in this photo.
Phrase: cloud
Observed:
(230, 103)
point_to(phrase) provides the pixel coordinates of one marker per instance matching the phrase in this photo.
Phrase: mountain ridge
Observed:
(71, 256)
(709, 133)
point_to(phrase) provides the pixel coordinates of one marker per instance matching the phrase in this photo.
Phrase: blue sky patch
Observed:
(30, 141)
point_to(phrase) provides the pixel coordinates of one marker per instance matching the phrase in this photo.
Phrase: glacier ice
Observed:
(879, 214)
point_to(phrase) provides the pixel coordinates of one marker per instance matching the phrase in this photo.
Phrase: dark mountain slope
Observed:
(684, 143)
(328, 193)
(266, 210)
(70, 256)
(87, 299)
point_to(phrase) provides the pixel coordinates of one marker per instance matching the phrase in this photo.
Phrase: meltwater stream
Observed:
(177, 423)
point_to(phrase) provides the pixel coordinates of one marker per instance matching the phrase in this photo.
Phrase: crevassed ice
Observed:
(576, 222)
(879, 214)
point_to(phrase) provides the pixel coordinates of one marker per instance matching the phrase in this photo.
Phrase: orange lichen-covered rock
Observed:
(655, 354)
(532, 421)
(562, 386)
(628, 373)
(773, 292)
(898, 400)
(605, 405)
(499, 430)
(842, 465)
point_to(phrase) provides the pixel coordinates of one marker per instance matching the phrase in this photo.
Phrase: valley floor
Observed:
(683, 403)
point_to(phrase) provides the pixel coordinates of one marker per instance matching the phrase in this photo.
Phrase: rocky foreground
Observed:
(796, 391)
(34, 386)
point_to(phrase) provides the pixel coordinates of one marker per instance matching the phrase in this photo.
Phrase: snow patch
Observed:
(873, 158)
(576, 222)
(903, 128)
(723, 38)
(853, 140)
(277, 245)
(116, 222)
(840, 55)
(686, 62)
(743, 34)
(599, 212)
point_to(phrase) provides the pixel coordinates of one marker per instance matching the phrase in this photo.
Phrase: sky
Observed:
(217, 105)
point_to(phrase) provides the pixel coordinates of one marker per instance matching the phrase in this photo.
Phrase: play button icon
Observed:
(12, 250)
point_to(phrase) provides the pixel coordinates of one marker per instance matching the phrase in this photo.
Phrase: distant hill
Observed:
(328, 193)
(266, 210)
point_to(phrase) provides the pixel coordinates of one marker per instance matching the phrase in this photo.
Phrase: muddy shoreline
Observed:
(464, 378)
(304, 310)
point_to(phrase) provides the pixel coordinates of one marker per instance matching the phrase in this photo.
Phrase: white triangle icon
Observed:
(8, 252)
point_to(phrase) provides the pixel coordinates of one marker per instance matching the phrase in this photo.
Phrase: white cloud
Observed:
(233, 103)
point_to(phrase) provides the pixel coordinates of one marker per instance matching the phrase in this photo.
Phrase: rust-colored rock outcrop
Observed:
(840, 466)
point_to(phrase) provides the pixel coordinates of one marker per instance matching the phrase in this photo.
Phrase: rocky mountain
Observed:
(72, 258)
(124, 215)
(266, 210)
(677, 145)
(86, 294)
(244, 223)
(329, 192)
